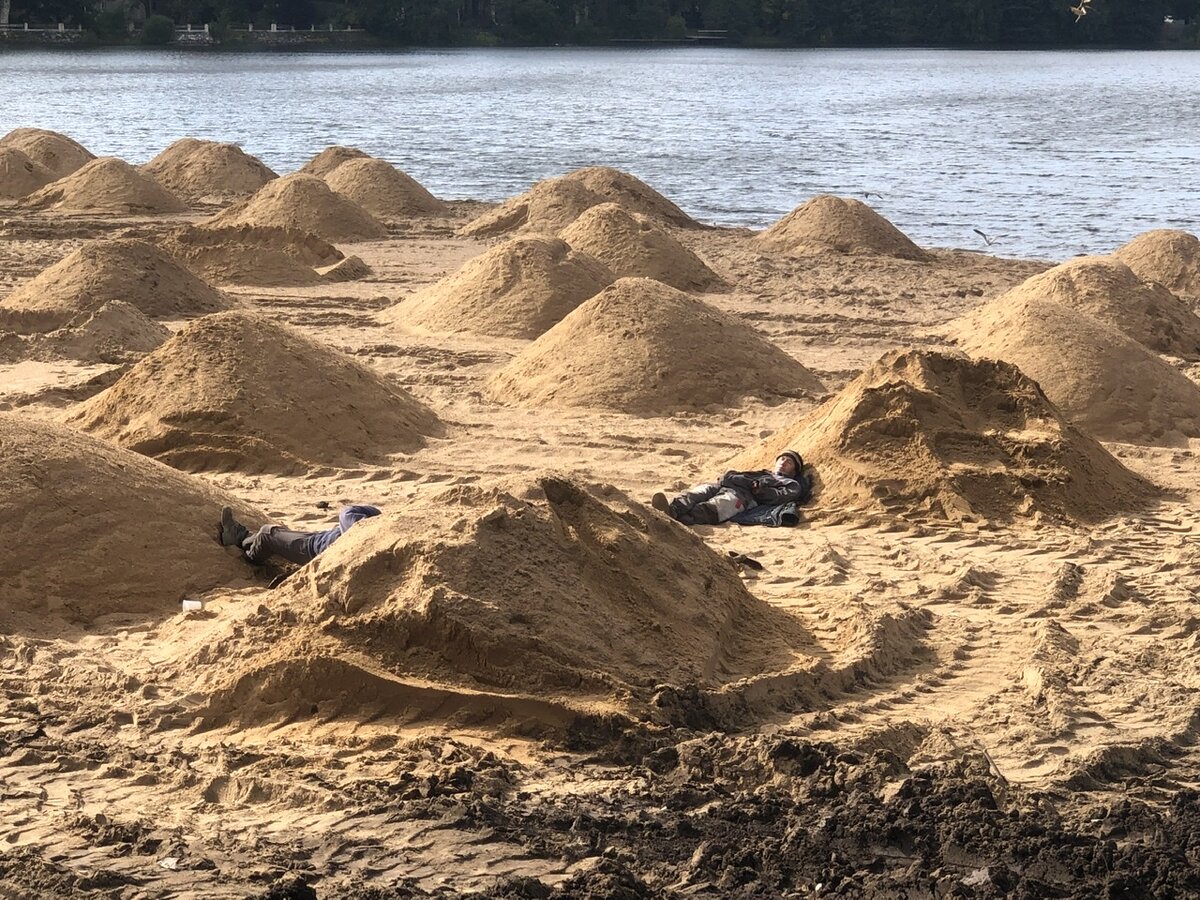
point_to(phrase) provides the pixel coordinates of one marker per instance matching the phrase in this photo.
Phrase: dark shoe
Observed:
(748, 562)
(231, 532)
(659, 501)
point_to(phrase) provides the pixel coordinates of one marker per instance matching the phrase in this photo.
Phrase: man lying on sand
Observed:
(274, 540)
(747, 498)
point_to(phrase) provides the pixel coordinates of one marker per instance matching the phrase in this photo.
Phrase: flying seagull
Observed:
(987, 240)
(1081, 10)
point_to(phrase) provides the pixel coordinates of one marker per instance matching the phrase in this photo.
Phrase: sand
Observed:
(383, 190)
(941, 436)
(642, 347)
(1108, 290)
(251, 254)
(303, 203)
(105, 186)
(53, 151)
(102, 271)
(518, 289)
(20, 175)
(632, 245)
(1170, 257)
(553, 204)
(841, 225)
(208, 171)
(1103, 381)
(330, 158)
(237, 391)
(102, 531)
(116, 332)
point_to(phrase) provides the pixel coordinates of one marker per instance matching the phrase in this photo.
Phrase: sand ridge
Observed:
(237, 391)
(1168, 256)
(842, 225)
(198, 170)
(101, 271)
(642, 347)
(520, 288)
(1102, 380)
(632, 245)
(922, 433)
(305, 203)
(55, 152)
(268, 256)
(116, 332)
(107, 185)
(383, 190)
(20, 175)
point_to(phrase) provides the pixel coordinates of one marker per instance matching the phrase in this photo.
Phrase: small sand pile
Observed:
(236, 391)
(49, 149)
(349, 269)
(1172, 258)
(206, 170)
(553, 204)
(102, 271)
(330, 158)
(117, 332)
(20, 175)
(95, 530)
(107, 185)
(1101, 379)
(842, 225)
(633, 245)
(383, 190)
(251, 254)
(932, 434)
(642, 347)
(304, 203)
(1109, 290)
(486, 604)
(517, 289)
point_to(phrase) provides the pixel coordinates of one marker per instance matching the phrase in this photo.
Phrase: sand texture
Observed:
(20, 175)
(57, 153)
(208, 171)
(303, 203)
(383, 190)
(106, 186)
(640, 346)
(1170, 257)
(520, 289)
(236, 391)
(330, 158)
(841, 225)
(266, 256)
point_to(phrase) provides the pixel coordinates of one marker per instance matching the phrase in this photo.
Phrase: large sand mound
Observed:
(842, 225)
(517, 289)
(304, 203)
(105, 185)
(632, 245)
(251, 254)
(1101, 379)
(1172, 258)
(207, 170)
(640, 346)
(101, 271)
(485, 603)
(94, 529)
(330, 158)
(1109, 290)
(236, 391)
(926, 433)
(20, 175)
(553, 204)
(383, 190)
(49, 149)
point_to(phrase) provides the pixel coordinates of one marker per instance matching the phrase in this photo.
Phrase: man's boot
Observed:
(231, 532)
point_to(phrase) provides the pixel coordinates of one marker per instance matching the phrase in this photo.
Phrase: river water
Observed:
(1051, 153)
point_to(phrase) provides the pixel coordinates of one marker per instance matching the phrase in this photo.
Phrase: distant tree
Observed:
(158, 30)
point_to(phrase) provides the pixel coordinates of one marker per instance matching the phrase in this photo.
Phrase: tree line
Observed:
(789, 23)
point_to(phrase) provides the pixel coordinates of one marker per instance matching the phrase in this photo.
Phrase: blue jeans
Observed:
(301, 547)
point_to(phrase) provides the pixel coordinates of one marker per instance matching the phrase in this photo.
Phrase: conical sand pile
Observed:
(941, 435)
(236, 391)
(1109, 290)
(506, 605)
(349, 269)
(632, 245)
(642, 347)
(330, 158)
(251, 254)
(305, 203)
(553, 204)
(517, 289)
(107, 185)
(116, 332)
(20, 175)
(383, 190)
(105, 270)
(205, 170)
(49, 149)
(1172, 258)
(96, 530)
(1102, 380)
(827, 223)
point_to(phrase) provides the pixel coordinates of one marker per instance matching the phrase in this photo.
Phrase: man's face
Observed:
(785, 466)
